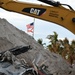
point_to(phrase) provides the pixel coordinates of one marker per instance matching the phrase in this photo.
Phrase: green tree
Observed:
(53, 46)
(40, 41)
(62, 47)
(73, 44)
(53, 38)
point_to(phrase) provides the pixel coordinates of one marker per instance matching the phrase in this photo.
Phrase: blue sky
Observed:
(42, 28)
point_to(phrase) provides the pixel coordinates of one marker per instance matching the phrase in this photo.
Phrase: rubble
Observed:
(10, 65)
(11, 37)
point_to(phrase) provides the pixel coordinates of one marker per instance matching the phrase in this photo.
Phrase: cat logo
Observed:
(34, 11)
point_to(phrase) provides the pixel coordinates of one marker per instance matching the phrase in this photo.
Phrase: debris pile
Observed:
(44, 61)
(10, 65)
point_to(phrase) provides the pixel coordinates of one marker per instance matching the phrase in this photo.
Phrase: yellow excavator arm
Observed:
(55, 13)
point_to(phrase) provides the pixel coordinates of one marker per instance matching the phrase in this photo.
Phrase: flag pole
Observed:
(33, 28)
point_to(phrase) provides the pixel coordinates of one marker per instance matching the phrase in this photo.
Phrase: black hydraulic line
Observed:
(68, 6)
(56, 4)
(53, 3)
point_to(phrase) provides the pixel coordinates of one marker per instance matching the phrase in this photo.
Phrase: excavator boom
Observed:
(56, 14)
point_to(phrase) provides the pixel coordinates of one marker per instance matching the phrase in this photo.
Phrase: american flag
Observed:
(30, 27)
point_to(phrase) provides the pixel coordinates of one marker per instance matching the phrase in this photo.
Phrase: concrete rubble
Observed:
(11, 37)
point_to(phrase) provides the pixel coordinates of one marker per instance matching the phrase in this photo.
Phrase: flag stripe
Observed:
(30, 27)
